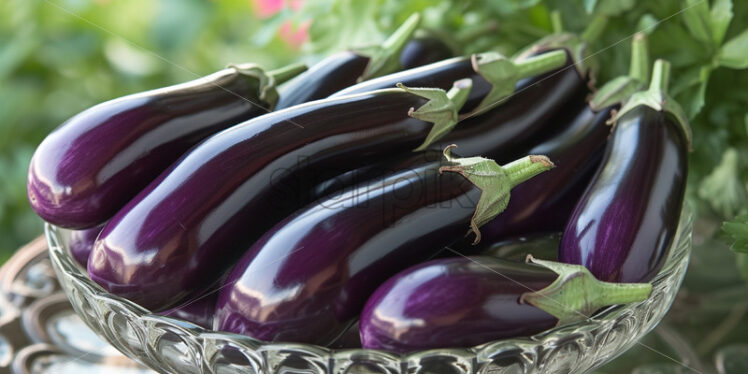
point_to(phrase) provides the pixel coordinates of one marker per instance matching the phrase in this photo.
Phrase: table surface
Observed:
(40, 332)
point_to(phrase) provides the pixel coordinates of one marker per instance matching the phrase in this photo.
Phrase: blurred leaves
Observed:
(734, 53)
(723, 189)
(737, 230)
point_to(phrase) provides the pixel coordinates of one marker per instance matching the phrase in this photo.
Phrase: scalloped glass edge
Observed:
(598, 335)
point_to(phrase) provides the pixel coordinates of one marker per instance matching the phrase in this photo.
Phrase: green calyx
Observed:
(576, 293)
(621, 88)
(441, 109)
(494, 181)
(268, 81)
(384, 58)
(657, 98)
(503, 73)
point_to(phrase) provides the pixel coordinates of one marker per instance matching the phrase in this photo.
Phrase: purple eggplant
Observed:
(423, 51)
(628, 216)
(90, 166)
(81, 243)
(546, 204)
(455, 302)
(308, 277)
(542, 245)
(347, 68)
(198, 311)
(191, 224)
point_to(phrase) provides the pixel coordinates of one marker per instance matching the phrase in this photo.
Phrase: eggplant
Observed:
(190, 225)
(454, 302)
(90, 166)
(309, 277)
(546, 204)
(81, 243)
(541, 245)
(198, 311)
(441, 75)
(467, 301)
(627, 218)
(423, 51)
(347, 68)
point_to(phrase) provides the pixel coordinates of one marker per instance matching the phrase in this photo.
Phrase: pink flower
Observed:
(293, 35)
(297, 36)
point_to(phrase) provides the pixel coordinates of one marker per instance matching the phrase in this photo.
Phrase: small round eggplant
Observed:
(308, 277)
(90, 166)
(191, 224)
(455, 302)
(423, 51)
(81, 243)
(627, 218)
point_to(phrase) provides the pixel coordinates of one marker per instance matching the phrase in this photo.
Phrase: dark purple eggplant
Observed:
(442, 74)
(423, 51)
(455, 302)
(81, 243)
(546, 204)
(543, 246)
(308, 277)
(347, 68)
(91, 165)
(627, 218)
(467, 301)
(188, 226)
(198, 311)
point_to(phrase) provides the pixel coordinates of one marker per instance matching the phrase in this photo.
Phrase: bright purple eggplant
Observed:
(91, 165)
(467, 301)
(190, 225)
(345, 69)
(81, 243)
(308, 277)
(455, 302)
(628, 216)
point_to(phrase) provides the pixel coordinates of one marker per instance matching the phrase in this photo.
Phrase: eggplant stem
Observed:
(286, 73)
(660, 76)
(639, 68)
(519, 171)
(540, 64)
(557, 24)
(383, 59)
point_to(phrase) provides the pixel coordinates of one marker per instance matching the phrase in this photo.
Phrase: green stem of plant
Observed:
(660, 76)
(285, 73)
(557, 25)
(540, 64)
(595, 28)
(639, 67)
(519, 171)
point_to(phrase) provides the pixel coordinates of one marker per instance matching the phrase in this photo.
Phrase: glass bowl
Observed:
(174, 346)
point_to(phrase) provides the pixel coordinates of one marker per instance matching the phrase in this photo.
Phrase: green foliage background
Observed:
(58, 57)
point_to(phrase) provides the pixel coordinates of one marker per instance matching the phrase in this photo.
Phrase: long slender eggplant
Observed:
(442, 74)
(546, 204)
(191, 224)
(88, 168)
(454, 302)
(467, 301)
(81, 243)
(423, 51)
(347, 68)
(628, 216)
(308, 278)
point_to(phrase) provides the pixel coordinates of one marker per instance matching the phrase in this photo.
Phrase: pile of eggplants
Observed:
(333, 208)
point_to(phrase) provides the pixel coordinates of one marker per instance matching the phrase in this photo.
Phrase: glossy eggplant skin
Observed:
(190, 225)
(324, 78)
(91, 165)
(627, 218)
(309, 277)
(540, 108)
(440, 74)
(81, 243)
(423, 51)
(545, 205)
(454, 302)
(199, 311)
